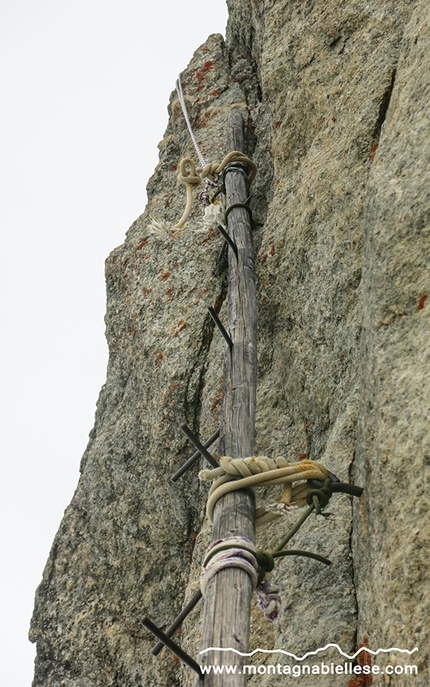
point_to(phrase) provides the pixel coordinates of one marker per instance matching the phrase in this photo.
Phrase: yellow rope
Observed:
(260, 471)
(192, 176)
(187, 175)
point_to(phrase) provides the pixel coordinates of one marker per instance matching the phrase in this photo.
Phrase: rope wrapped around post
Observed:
(240, 552)
(192, 176)
(261, 471)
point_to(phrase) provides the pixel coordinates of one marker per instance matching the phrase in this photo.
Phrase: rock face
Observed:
(335, 96)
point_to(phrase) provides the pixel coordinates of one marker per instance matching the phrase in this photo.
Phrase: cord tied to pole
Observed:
(212, 173)
(320, 497)
(240, 552)
(266, 563)
(262, 471)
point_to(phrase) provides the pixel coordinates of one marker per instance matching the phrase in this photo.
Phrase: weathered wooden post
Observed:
(232, 564)
(226, 616)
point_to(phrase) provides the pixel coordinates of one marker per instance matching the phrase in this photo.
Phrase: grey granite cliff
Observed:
(337, 100)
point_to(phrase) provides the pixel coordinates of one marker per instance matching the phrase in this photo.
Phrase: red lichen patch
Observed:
(277, 124)
(272, 251)
(164, 276)
(308, 423)
(373, 150)
(201, 74)
(263, 255)
(218, 303)
(169, 391)
(146, 292)
(202, 293)
(169, 293)
(141, 244)
(158, 358)
(216, 92)
(203, 119)
(422, 301)
(180, 327)
(363, 659)
(303, 456)
(193, 540)
(341, 357)
(216, 401)
(211, 234)
(176, 264)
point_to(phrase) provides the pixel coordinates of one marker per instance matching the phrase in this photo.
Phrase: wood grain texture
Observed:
(228, 595)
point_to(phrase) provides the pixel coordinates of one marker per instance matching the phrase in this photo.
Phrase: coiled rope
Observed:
(237, 552)
(192, 176)
(261, 471)
(240, 552)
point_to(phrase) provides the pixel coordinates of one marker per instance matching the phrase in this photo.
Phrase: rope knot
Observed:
(323, 495)
(266, 563)
(187, 172)
(269, 600)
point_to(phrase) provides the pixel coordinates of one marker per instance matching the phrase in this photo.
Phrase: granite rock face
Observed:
(335, 96)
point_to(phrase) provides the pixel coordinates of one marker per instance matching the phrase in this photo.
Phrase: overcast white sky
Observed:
(84, 91)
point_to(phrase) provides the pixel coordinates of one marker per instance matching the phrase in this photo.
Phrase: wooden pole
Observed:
(226, 615)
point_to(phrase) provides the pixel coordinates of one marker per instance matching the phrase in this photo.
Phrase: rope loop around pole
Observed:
(241, 552)
(261, 471)
(235, 552)
(235, 168)
(238, 205)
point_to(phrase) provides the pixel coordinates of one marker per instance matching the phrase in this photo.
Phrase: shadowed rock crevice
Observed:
(383, 108)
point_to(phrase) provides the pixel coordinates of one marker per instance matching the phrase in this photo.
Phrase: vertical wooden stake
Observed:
(226, 616)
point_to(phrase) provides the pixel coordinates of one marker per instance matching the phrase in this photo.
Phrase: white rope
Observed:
(240, 552)
(184, 110)
(235, 552)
